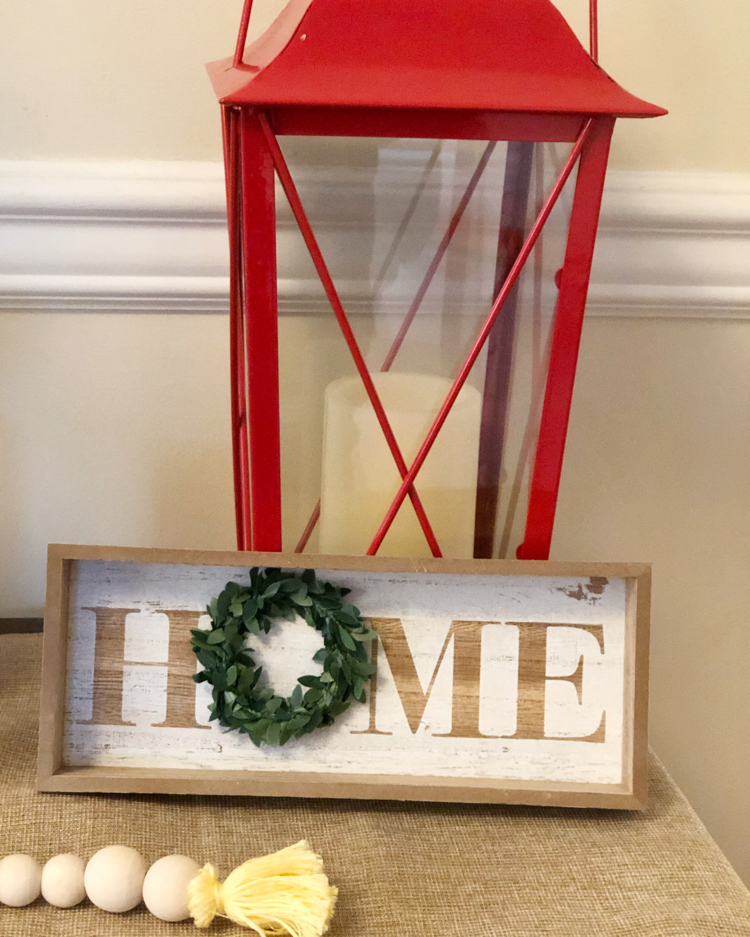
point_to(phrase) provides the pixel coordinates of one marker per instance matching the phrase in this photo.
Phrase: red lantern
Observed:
(505, 70)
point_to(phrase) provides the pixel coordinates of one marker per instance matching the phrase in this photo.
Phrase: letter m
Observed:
(467, 660)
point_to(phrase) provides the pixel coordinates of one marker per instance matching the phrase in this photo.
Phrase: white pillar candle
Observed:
(360, 478)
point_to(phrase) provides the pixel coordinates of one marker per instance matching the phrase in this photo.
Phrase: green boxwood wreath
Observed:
(240, 700)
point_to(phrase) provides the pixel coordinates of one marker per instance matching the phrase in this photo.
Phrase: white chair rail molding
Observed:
(151, 236)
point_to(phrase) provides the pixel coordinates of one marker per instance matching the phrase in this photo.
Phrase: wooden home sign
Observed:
(497, 681)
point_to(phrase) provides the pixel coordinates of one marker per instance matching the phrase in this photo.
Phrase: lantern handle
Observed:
(239, 49)
(594, 30)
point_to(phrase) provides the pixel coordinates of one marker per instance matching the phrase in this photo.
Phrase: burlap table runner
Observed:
(401, 869)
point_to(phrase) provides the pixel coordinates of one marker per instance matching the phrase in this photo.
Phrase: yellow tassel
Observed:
(284, 893)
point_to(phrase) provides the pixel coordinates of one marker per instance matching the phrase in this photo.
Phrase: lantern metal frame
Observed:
(251, 124)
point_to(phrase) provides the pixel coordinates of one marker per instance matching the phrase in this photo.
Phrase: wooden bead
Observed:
(114, 878)
(62, 881)
(20, 880)
(165, 888)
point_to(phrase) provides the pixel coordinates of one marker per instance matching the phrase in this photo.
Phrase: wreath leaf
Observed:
(239, 701)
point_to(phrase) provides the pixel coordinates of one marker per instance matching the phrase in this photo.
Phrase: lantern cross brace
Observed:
(408, 475)
(417, 301)
(292, 195)
(471, 358)
(439, 254)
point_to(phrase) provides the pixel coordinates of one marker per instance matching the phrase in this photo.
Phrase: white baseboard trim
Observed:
(151, 237)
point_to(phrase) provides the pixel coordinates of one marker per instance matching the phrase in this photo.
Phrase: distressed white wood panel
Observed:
(426, 604)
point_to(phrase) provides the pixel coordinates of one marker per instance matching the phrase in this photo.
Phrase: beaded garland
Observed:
(240, 701)
(285, 893)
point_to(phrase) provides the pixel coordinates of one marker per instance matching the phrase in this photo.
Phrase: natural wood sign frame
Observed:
(499, 681)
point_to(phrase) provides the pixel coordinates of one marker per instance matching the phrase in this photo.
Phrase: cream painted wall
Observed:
(125, 79)
(113, 429)
(118, 80)
(690, 57)
(656, 468)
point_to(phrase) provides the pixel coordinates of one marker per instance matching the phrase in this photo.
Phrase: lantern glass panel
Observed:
(417, 235)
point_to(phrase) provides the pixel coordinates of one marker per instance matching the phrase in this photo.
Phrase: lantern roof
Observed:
(496, 55)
